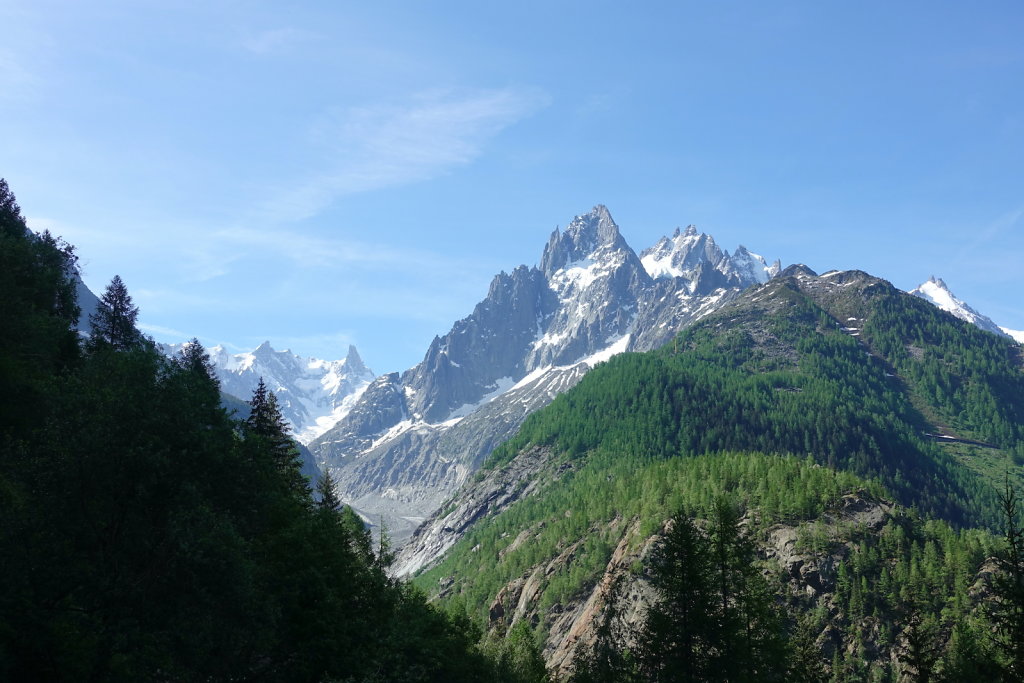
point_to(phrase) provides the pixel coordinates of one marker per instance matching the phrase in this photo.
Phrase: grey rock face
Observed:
(409, 442)
(87, 305)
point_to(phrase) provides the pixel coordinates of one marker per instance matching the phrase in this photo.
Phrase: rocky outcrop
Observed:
(488, 496)
(625, 592)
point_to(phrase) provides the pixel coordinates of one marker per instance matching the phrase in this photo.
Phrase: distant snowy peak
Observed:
(692, 255)
(753, 267)
(313, 394)
(936, 291)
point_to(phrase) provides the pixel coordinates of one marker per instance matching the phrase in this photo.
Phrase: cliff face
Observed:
(806, 578)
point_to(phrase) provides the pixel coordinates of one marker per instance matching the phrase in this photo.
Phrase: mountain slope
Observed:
(878, 394)
(414, 438)
(842, 367)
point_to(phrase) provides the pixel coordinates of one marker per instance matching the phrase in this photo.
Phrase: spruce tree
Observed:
(194, 358)
(327, 496)
(681, 629)
(113, 322)
(266, 424)
(1008, 614)
(12, 224)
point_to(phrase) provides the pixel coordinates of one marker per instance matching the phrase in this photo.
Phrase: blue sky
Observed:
(357, 172)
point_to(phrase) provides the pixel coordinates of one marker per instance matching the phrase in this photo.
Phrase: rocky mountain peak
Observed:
(354, 362)
(798, 270)
(695, 257)
(681, 255)
(585, 237)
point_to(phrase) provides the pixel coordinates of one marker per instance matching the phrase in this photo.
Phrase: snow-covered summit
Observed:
(313, 394)
(936, 291)
(751, 266)
(696, 257)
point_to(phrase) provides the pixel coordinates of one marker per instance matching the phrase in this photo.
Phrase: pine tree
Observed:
(12, 223)
(266, 423)
(681, 630)
(327, 496)
(1009, 589)
(922, 650)
(113, 322)
(194, 358)
(805, 663)
(751, 645)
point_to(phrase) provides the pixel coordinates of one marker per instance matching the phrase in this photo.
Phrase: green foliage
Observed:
(588, 508)
(38, 311)
(791, 381)
(1008, 614)
(144, 535)
(715, 617)
(516, 655)
(113, 323)
(969, 379)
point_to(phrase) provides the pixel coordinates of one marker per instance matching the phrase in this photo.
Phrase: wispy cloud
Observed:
(310, 251)
(162, 331)
(985, 237)
(381, 146)
(276, 40)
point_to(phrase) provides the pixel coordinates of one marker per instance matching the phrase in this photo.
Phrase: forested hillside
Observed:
(804, 395)
(145, 535)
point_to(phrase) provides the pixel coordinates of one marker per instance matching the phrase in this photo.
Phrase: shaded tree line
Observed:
(147, 535)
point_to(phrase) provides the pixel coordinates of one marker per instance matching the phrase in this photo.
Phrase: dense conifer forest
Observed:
(145, 534)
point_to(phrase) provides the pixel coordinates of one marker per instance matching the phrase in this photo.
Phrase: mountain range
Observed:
(400, 444)
(312, 394)
(412, 438)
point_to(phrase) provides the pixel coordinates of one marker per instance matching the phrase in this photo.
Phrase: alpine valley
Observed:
(682, 464)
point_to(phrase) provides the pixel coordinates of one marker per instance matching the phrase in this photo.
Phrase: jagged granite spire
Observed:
(585, 235)
(354, 363)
